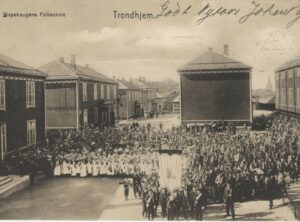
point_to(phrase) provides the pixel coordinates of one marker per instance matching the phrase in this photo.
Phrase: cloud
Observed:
(105, 34)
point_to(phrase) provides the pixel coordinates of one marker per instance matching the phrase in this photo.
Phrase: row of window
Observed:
(101, 86)
(134, 96)
(31, 136)
(291, 100)
(30, 94)
(104, 116)
(289, 74)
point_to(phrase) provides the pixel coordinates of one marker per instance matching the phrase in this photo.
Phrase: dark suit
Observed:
(199, 204)
(229, 201)
(163, 203)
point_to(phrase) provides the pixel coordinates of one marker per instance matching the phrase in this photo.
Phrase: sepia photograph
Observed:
(141, 110)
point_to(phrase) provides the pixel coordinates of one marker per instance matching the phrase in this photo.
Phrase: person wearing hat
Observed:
(229, 200)
(150, 204)
(199, 204)
(163, 199)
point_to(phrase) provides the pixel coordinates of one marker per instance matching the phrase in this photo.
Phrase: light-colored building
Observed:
(287, 86)
(78, 95)
(130, 100)
(176, 104)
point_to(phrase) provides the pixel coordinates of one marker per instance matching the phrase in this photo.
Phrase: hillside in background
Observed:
(165, 86)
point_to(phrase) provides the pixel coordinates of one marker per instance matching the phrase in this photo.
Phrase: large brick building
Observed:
(22, 106)
(215, 87)
(287, 86)
(78, 95)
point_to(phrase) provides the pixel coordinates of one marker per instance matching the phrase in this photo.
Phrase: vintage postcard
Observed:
(150, 110)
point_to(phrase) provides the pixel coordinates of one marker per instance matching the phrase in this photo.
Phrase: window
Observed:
(129, 97)
(31, 132)
(2, 94)
(30, 94)
(282, 75)
(102, 91)
(297, 71)
(277, 96)
(283, 96)
(298, 97)
(291, 97)
(115, 92)
(290, 73)
(108, 91)
(3, 142)
(85, 116)
(95, 92)
(277, 76)
(96, 115)
(84, 91)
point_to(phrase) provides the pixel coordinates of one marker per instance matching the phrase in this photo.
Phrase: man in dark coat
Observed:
(171, 207)
(150, 205)
(199, 204)
(229, 200)
(270, 184)
(184, 203)
(163, 202)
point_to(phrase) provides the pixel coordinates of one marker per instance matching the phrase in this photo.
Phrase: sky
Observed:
(151, 48)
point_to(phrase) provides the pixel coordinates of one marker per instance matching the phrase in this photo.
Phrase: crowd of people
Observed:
(225, 164)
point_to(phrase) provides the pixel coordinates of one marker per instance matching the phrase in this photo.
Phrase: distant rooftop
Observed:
(11, 65)
(58, 70)
(293, 63)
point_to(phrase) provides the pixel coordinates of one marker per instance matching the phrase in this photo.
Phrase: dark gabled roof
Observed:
(211, 60)
(61, 70)
(293, 63)
(10, 65)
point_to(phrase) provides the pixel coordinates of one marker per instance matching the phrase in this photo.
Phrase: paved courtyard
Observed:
(103, 199)
(60, 198)
(120, 209)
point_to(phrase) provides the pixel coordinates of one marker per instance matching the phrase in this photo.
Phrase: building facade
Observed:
(287, 86)
(148, 95)
(22, 106)
(176, 105)
(215, 87)
(130, 97)
(78, 95)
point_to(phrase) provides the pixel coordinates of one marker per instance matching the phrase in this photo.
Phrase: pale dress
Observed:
(57, 170)
(95, 169)
(83, 170)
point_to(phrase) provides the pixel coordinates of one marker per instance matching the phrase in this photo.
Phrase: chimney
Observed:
(210, 49)
(73, 61)
(61, 59)
(226, 50)
(86, 65)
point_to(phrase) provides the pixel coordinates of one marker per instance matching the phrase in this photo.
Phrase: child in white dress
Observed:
(73, 169)
(95, 168)
(83, 169)
(57, 169)
(89, 168)
(78, 165)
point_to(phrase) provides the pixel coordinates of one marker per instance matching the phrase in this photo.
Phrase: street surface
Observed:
(60, 198)
(120, 209)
